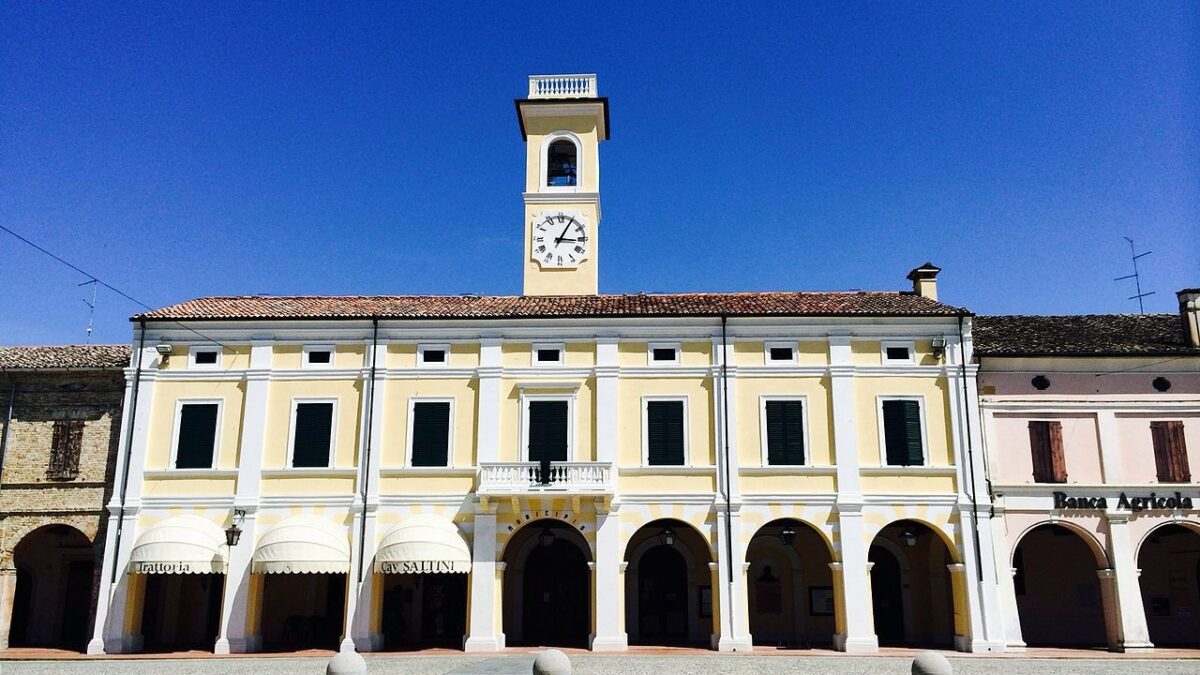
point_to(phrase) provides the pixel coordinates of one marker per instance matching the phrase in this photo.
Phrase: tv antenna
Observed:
(1136, 276)
(91, 307)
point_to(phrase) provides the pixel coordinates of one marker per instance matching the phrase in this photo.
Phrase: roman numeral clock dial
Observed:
(560, 239)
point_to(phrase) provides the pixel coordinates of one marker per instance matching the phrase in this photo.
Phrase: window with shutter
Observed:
(1170, 452)
(548, 431)
(785, 432)
(902, 432)
(65, 446)
(197, 436)
(431, 433)
(1046, 448)
(313, 435)
(664, 433)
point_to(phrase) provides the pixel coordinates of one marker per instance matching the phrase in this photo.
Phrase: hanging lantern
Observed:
(908, 536)
(668, 536)
(233, 533)
(546, 537)
(787, 535)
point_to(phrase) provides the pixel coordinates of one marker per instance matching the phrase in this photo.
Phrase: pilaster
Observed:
(488, 414)
(725, 430)
(610, 630)
(1109, 440)
(856, 611)
(1133, 633)
(607, 402)
(484, 634)
(734, 621)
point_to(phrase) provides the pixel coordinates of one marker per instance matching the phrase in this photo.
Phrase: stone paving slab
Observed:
(589, 664)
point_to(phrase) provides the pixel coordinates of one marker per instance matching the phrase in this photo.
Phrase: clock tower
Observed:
(562, 122)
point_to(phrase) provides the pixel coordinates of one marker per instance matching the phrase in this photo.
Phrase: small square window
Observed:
(318, 356)
(664, 354)
(432, 355)
(897, 352)
(549, 356)
(322, 357)
(205, 357)
(782, 353)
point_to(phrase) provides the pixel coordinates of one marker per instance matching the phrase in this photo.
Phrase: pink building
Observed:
(1092, 439)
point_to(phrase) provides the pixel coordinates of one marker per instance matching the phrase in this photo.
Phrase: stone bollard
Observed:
(347, 662)
(931, 663)
(552, 662)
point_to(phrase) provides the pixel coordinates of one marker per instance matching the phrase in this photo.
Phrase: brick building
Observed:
(61, 414)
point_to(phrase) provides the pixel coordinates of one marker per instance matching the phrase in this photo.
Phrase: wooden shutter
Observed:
(785, 432)
(548, 431)
(197, 436)
(664, 433)
(431, 433)
(1170, 452)
(65, 446)
(1046, 449)
(902, 433)
(314, 424)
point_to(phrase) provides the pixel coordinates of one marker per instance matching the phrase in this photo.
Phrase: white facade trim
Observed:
(537, 347)
(306, 355)
(910, 345)
(193, 350)
(443, 347)
(651, 361)
(768, 345)
(544, 163)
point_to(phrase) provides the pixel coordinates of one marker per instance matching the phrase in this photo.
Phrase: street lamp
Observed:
(667, 536)
(908, 536)
(233, 533)
(787, 535)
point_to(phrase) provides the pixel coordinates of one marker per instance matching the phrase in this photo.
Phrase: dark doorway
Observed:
(556, 603)
(1170, 563)
(886, 596)
(80, 575)
(52, 602)
(1058, 592)
(662, 596)
(181, 612)
(303, 611)
(424, 610)
(22, 603)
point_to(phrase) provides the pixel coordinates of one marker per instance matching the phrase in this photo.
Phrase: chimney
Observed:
(1189, 311)
(924, 280)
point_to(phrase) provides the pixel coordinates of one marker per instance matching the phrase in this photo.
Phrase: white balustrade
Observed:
(525, 477)
(562, 86)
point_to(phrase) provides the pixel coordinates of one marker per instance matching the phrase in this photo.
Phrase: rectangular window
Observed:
(1046, 446)
(312, 435)
(430, 433)
(204, 357)
(781, 354)
(433, 355)
(664, 355)
(897, 353)
(664, 433)
(1170, 452)
(318, 357)
(902, 432)
(549, 356)
(785, 432)
(548, 429)
(197, 440)
(65, 446)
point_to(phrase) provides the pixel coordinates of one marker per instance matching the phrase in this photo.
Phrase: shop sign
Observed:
(1136, 503)
(418, 567)
(160, 568)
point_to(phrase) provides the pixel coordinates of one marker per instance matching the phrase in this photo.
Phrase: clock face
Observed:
(560, 239)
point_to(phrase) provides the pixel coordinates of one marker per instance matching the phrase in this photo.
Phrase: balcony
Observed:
(562, 86)
(568, 478)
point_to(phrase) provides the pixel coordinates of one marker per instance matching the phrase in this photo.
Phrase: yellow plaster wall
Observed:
(579, 354)
(937, 423)
(753, 352)
(395, 417)
(749, 393)
(279, 418)
(584, 127)
(905, 484)
(401, 355)
(427, 484)
(162, 424)
(233, 356)
(699, 417)
(787, 484)
(660, 483)
(302, 485)
(865, 352)
(190, 487)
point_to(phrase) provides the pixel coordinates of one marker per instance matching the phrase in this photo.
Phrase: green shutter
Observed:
(664, 433)
(548, 431)
(197, 434)
(431, 433)
(785, 432)
(314, 424)
(902, 432)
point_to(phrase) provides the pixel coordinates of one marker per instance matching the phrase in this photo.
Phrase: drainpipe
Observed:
(962, 365)
(725, 443)
(362, 533)
(133, 402)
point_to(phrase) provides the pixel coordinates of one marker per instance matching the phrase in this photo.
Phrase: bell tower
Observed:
(563, 122)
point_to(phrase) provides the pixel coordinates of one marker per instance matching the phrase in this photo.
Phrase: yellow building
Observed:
(557, 468)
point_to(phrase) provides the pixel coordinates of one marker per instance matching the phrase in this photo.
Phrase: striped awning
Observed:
(180, 545)
(303, 545)
(423, 544)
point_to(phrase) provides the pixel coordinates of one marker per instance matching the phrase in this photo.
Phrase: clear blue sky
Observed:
(185, 149)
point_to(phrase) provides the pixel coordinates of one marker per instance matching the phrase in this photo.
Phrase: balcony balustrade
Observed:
(545, 477)
(562, 86)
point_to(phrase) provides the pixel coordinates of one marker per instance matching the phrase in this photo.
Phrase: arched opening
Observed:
(1170, 564)
(1057, 589)
(181, 612)
(912, 594)
(53, 602)
(790, 586)
(547, 586)
(561, 163)
(668, 586)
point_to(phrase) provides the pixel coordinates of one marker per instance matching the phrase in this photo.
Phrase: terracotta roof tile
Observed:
(1082, 335)
(53, 357)
(570, 306)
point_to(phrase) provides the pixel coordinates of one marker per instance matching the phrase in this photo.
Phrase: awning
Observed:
(424, 543)
(180, 545)
(303, 545)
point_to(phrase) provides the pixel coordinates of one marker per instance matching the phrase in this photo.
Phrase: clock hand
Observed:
(559, 239)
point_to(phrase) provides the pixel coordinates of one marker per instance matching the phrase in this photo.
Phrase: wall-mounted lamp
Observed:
(787, 535)
(939, 347)
(908, 536)
(667, 536)
(546, 537)
(164, 353)
(233, 533)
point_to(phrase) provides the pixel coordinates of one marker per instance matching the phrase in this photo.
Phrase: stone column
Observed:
(735, 633)
(233, 637)
(1134, 634)
(1112, 612)
(718, 612)
(485, 635)
(8, 590)
(609, 631)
